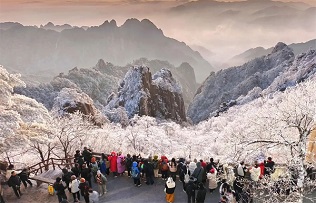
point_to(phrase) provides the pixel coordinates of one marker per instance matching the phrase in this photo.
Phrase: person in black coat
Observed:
(87, 155)
(76, 170)
(190, 189)
(24, 175)
(86, 174)
(201, 193)
(149, 171)
(67, 177)
(210, 165)
(84, 189)
(15, 182)
(60, 190)
(238, 188)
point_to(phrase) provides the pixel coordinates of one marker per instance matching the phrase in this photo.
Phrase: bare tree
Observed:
(71, 132)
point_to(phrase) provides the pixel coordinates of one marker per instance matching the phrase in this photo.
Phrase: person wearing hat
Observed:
(15, 182)
(212, 182)
(156, 166)
(101, 181)
(170, 187)
(74, 188)
(60, 189)
(84, 189)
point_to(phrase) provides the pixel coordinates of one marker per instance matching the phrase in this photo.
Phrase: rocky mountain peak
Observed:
(158, 96)
(101, 64)
(280, 46)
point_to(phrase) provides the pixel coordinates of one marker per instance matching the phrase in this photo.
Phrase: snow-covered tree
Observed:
(71, 132)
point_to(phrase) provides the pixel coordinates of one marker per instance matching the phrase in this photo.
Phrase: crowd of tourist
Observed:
(197, 178)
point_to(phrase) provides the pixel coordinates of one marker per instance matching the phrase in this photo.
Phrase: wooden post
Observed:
(53, 163)
(40, 165)
(8, 158)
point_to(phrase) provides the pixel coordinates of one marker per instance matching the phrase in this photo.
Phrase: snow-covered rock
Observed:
(72, 100)
(158, 96)
(232, 83)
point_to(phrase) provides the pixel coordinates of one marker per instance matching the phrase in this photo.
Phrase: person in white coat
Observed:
(93, 196)
(254, 172)
(74, 188)
(192, 166)
(212, 182)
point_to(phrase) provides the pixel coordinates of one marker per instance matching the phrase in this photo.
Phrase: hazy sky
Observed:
(226, 40)
(85, 12)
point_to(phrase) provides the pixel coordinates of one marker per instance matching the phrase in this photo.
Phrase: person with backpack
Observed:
(170, 187)
(94, 168)
(212, 180)
(136, 174)
(155, 163)
(198, 172)
(101, 181)
(84, 189)
(173, 168)
(24, 176)
(190, 189)
(15, 182)
(74, 187)
(60, 190)
(201, 193)
(164, 169)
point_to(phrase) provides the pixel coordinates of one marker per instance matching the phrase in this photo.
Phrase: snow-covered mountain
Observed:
(298, 48)
(103, 79)
(48, 52)
(141, 93)
(239, 85)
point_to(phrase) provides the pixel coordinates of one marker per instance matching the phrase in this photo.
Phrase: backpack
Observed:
(135, 173)
(165, 167)
(94, 167)
(187, 177)
(155, 164)
(235, 170)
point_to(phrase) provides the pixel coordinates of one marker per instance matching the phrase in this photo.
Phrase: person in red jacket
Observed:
(113, 163)
(261, 165)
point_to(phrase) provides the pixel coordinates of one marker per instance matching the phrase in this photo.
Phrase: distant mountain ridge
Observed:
(37, 50)
(253, 53)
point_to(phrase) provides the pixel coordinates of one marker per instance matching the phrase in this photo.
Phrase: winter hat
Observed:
(155, 157)
(82, 180)
(212, 170)
(58, 179)
(98, 172)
